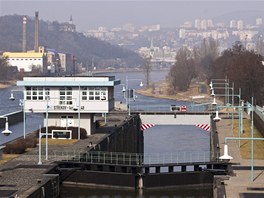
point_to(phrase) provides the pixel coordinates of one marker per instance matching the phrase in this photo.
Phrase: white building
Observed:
(240, 25)
(69, 101)
(259, 21)
(26, 61)
(233, 24)
(182, 34)
(197, 24)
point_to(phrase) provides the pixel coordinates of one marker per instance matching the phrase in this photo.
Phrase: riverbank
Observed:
(196, 93)
(7, 84)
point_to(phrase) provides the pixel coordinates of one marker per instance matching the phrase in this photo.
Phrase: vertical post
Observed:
(233, 103)
(239, 115)
(40, 162)
(242, 110)
(24, 119)
(79, 114)
(129, 102)
(47, 123)
(226, 90)
(126, 93)
(252, 141)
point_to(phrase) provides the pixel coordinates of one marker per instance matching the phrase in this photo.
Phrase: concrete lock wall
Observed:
(177, 179)
(103, 179)
(13, 118)
(47, 187)
(258, 122)
(125, 138)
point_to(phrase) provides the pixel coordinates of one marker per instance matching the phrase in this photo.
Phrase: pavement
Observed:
(23, 172)
(239, 184)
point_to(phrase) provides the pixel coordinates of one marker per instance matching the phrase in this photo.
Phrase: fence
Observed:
(167, 108)
(117, 158)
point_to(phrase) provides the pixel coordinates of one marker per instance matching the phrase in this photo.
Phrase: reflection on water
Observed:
(70, 192)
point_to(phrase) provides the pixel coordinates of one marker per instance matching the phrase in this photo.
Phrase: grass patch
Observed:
(59, 141)
(245, 145)
(8, 157)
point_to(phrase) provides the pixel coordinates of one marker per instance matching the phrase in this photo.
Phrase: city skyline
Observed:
(90, 14)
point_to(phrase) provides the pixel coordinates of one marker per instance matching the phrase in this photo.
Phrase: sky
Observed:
(89, 14)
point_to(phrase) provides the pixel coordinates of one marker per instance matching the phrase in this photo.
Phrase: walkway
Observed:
(23, 172)
(239, 185)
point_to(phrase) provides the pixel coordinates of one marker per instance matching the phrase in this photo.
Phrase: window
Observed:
(37, 93)
(94, 93)
(66, 96)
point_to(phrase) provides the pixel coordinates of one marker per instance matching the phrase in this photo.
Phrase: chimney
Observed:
(24, 34)
(36, 46)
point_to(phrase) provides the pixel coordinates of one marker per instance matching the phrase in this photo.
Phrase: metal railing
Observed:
(166, 108)
(100, 157)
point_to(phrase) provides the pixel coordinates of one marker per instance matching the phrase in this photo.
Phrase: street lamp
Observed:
(214, 102)
(216, 118)
(6, 132)
(225, 156)
(252, 138)
(22, 104)
(127, 92)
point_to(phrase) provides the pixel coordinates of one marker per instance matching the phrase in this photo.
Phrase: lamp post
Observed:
(75, 108)
(226, 90)
(252, 141)
(40, 136)
(22, 103)
(6, 132)
(127, 92)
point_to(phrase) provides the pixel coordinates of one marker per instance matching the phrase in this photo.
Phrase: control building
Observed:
(69, 101)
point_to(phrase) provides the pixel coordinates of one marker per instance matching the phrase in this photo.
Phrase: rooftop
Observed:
(69, 81)
(23, 54)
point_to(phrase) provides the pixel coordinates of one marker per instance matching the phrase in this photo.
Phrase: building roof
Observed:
(23, 54)
(69, 81)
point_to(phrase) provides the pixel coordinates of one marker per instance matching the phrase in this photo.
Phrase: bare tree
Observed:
(147, 68)
(3, 68)
(204, 54)
(183, 71)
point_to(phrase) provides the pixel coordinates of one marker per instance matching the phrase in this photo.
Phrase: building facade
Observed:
(69, 101)
(26, 61)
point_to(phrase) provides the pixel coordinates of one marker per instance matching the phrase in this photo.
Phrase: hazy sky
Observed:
(89, 14)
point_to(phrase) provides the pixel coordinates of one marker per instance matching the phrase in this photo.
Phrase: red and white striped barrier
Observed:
(205, 127)
(146, 126)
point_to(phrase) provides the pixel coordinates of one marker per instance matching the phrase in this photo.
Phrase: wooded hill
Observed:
(85, 49)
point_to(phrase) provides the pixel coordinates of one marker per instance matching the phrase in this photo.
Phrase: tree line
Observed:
(242, 67)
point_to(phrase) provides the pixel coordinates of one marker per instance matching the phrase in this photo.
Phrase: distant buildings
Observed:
(41, 59)
(68, 26)
(190, 33)
(47, 61)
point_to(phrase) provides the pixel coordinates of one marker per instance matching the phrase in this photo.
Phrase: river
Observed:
(172, 139)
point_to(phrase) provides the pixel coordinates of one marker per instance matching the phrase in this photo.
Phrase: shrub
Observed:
(18, 147)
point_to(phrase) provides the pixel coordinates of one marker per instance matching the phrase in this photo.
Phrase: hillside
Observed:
(85, 49)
